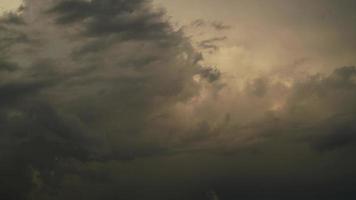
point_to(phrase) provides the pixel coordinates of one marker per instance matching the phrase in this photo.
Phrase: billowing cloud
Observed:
(83, 80)
(105, 99)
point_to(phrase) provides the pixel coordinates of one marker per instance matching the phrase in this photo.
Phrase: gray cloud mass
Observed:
(104, 99)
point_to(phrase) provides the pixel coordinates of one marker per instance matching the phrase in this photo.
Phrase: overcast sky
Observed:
(278, 32)
(168, 99)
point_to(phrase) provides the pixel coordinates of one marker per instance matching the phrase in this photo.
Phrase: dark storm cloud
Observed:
(35, 138)
(105, 105)
(127, 19)
(334, 133)
(331, 101)
(88, 94)
(108, 22)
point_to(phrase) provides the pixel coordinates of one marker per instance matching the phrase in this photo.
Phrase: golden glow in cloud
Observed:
(8, 5)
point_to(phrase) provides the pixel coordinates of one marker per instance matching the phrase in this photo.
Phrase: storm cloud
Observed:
(106, 99)
(64, 97)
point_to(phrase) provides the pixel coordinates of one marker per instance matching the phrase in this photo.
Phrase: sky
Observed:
(8, 5)
(167, 99)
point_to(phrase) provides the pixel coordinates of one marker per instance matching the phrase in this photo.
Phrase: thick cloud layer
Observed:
(82, 80)
(104, 99)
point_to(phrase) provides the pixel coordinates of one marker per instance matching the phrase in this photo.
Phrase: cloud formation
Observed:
(82, 80)
(105, 99)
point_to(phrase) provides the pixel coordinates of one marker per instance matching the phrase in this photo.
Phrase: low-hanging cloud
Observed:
(82, 80)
